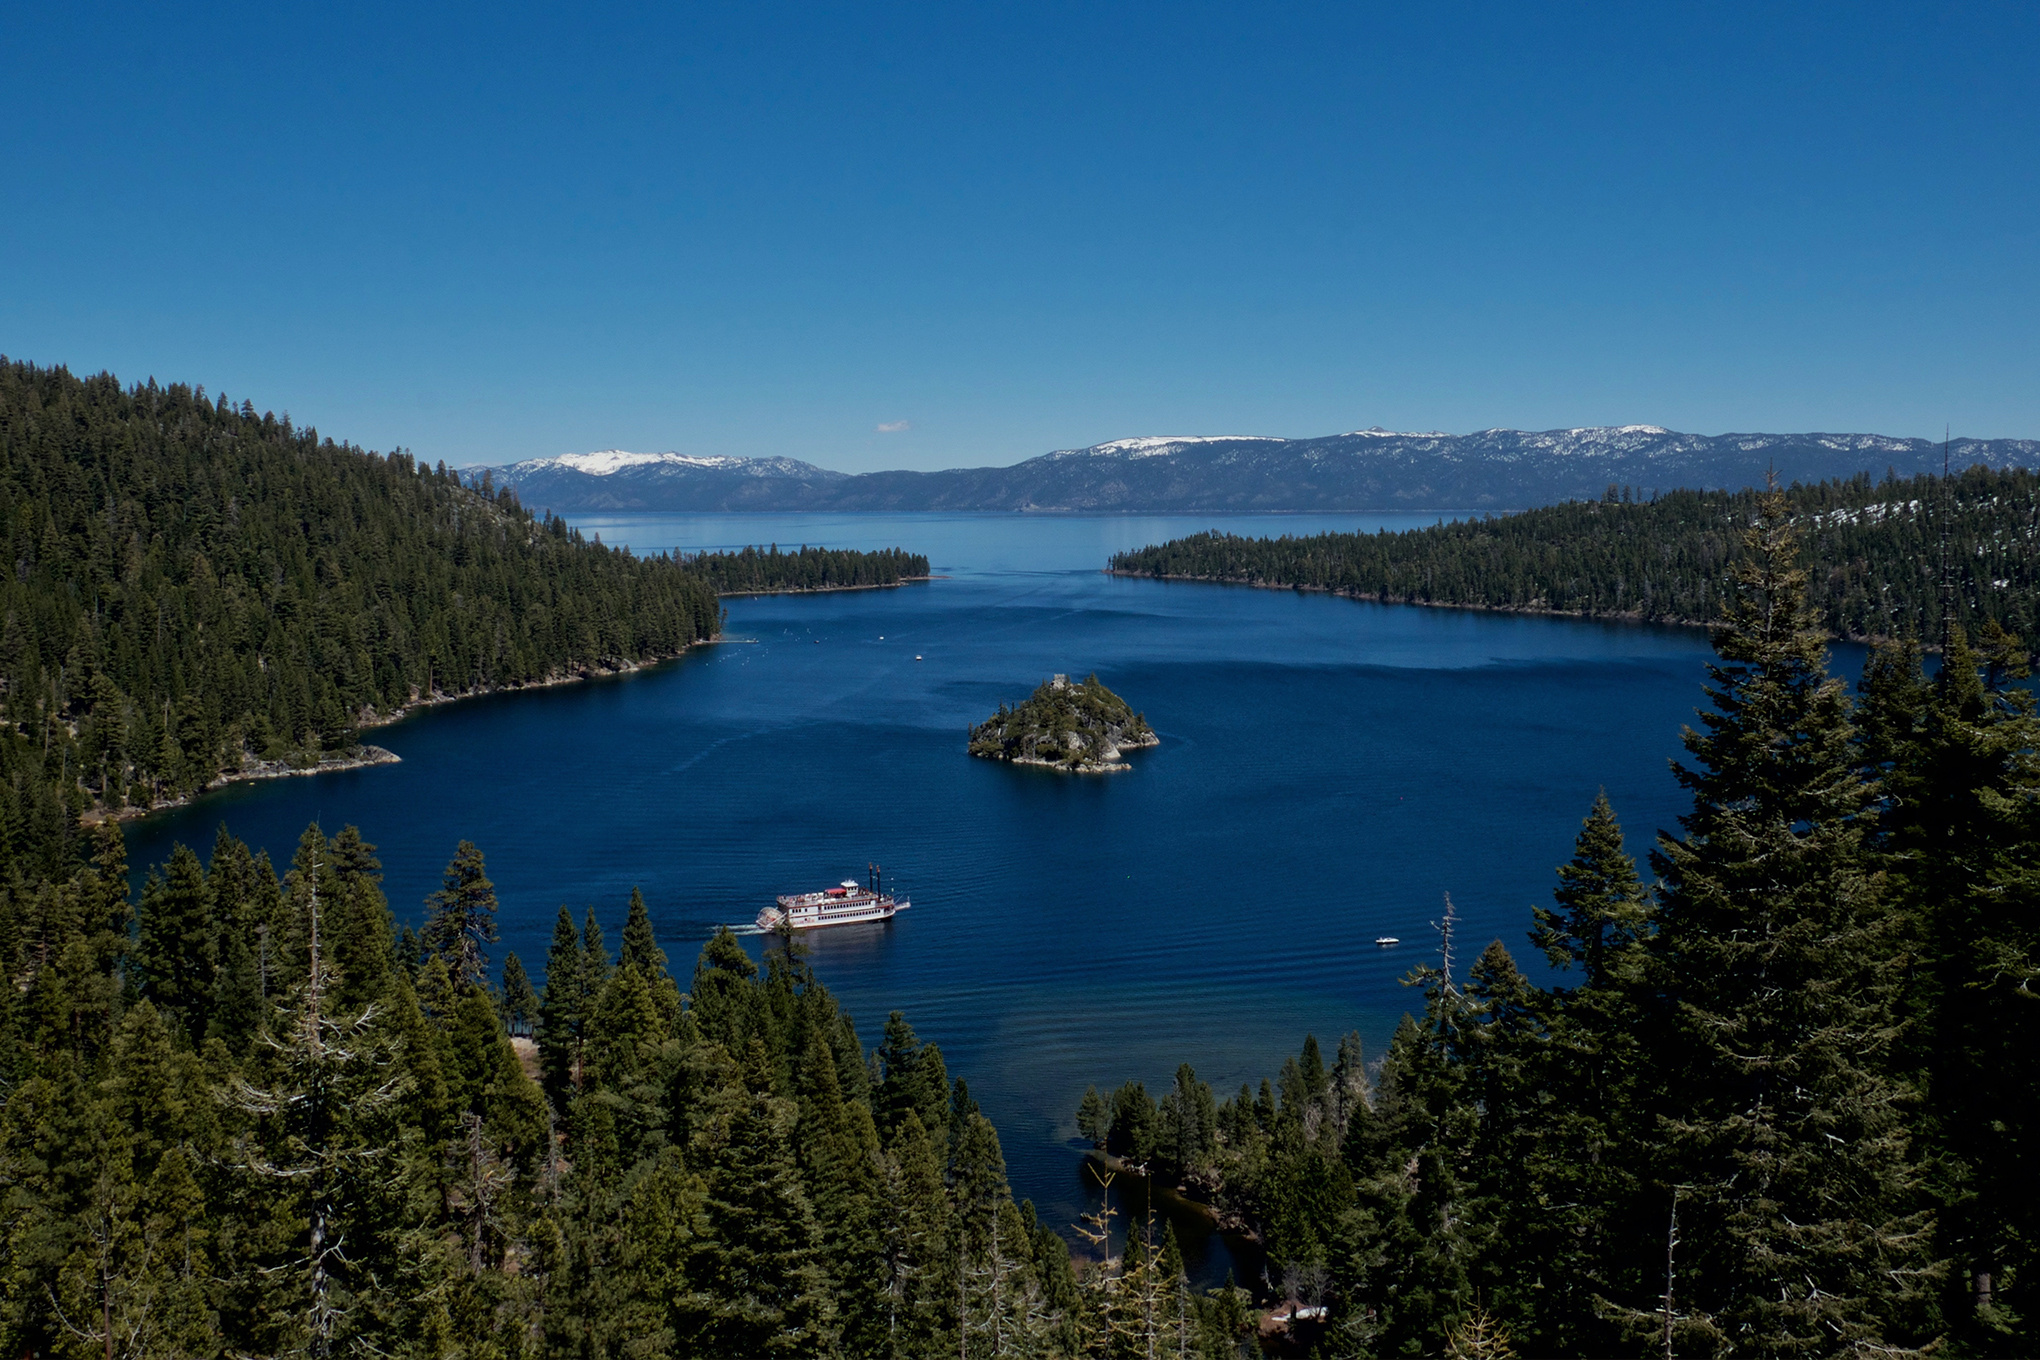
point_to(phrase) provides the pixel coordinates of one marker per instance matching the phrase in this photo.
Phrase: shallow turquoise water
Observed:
(1328, 769)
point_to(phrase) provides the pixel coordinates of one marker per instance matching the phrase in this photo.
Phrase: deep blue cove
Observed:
(1328, 769)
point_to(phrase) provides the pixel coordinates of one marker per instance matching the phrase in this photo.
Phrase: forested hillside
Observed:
(243, 1117)
(194, 588)
(1875, 550)
(192, 584)
(1783, 1101)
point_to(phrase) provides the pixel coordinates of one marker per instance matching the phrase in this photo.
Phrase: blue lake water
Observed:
(1328, 769)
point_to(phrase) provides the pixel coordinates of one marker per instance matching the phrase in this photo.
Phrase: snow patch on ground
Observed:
(1869, 514)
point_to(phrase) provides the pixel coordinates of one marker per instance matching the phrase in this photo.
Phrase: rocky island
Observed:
(1080, 729)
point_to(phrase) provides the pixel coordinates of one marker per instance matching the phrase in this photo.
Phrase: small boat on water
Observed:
(1387, 941)
(849, 903)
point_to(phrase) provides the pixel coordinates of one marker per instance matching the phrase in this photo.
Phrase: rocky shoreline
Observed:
(366, 754)
(1110, 761)
(251, 770)
(603, 671)
(361, 758)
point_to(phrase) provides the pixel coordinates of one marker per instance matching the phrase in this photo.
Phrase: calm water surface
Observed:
(1327, 770)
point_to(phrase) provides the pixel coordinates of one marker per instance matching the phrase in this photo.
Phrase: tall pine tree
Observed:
(1778, 959)
(461, 917)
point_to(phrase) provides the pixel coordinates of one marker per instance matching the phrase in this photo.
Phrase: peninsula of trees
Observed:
(1881, 550)
(751, 571)
(1782, 1101)
(195, 590)
(1081, 728)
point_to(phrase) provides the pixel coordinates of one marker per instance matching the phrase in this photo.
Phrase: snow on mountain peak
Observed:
(607, 461)
(1153, 446)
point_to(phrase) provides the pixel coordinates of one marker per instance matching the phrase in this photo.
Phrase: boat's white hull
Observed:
(773, 918)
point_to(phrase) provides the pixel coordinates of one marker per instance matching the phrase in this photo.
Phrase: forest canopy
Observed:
(765, 570)
(1781, 1097)
(244, 1115)
(192, 586)
(1877, 553)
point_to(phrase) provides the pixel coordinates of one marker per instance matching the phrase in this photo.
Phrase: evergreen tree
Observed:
(725, 1005)
(1146, 1316)
(1595, 1146)
(594, 955)
(1094, 1121)
(1777, 953)
(642, 954)
(358, 922)
(485, 1080)
(640, 943)
(237, 1008)
(135, 1281)
(998, 1306)
(1348, 1093)
(461, 917)
(325, 1157)
(562, 1013)
(912, 1080)
(520, 1001)
(1603, 914)
(842, 1166)
(760, 1277)
(178, 950)
(1512, 1167)
(1133, 1123)
(1959, 780)
(917, 1260)
(627, 1055)
(1406, 1261)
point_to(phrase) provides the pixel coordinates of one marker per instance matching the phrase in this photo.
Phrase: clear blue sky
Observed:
(502, 232)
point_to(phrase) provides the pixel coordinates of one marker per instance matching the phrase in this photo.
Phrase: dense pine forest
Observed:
(194, 586)
(1781, 1101)
(244, 1116)
(197, 589)
(760, 571)
(1879, 550)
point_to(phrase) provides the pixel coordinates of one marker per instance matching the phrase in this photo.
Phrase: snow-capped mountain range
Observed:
(610, 461)
(1212, 474)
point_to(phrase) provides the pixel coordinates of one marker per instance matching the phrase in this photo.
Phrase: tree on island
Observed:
(1080, 727)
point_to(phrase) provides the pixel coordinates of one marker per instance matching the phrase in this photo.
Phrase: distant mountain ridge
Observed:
(1379, 470)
